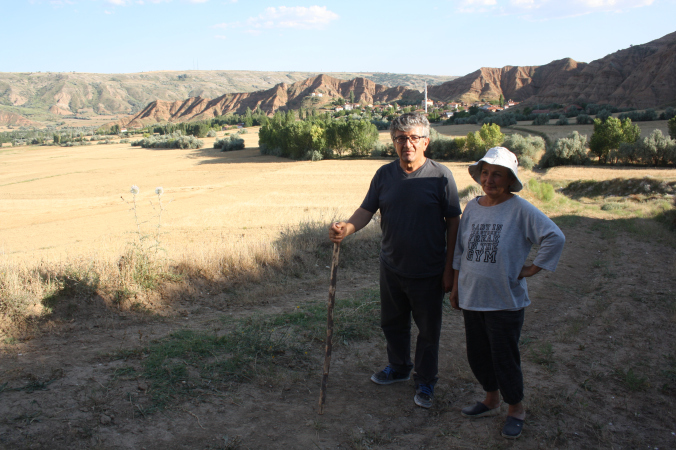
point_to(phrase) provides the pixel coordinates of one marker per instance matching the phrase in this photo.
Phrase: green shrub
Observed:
(654, 150)
(603, 115)
(172, 140)
(543, 191)
(479, 142)
(211, 133)
(385, 150)
(672, 127)
(584, 119)
(609, 134)
(525, 148)
(567, 151)
(446, 148)
(229, 143)
(563, 120)
(541, 119)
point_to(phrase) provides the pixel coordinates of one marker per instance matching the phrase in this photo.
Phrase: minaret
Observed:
(425, 97)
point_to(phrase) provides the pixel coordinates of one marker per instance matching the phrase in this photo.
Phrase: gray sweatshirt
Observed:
(492, 246)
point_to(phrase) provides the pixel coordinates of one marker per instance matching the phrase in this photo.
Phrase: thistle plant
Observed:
(140, 261)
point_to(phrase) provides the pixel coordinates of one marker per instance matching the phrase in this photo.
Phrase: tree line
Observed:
(316, 137)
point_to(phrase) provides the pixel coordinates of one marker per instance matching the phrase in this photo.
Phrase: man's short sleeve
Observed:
(371, 202)
(452, 202)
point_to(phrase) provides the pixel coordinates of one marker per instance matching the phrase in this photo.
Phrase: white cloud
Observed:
(220, 36)
(60, 3)
(548, 9)
(298, 17)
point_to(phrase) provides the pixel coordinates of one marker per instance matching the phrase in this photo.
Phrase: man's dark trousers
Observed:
(401, 298)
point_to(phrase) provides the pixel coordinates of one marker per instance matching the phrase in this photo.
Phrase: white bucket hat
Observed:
(499, 156)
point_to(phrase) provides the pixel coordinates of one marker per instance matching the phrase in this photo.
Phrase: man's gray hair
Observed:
(406, 122)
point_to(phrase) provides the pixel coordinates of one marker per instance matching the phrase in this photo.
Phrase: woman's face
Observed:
(496, 180)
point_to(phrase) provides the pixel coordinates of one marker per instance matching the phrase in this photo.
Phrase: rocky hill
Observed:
(641, 76)
(281, 96)
(45, 96)
(13, 119)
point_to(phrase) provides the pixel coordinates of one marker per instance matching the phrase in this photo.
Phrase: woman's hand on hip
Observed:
(529, 271)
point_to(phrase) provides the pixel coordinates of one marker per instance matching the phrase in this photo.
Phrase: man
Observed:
(419, 209)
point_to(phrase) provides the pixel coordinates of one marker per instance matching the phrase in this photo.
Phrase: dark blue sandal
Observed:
(479, 410)
(512, 428)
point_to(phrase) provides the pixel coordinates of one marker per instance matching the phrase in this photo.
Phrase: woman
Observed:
(496, 233)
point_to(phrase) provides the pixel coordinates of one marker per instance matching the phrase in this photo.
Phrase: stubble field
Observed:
(91, 372)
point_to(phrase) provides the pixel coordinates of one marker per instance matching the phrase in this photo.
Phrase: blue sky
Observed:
(443, 37)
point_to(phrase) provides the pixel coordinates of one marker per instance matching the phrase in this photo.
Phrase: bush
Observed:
(229, 143)
(604, 114)
(668, 113)
(541, 119)
(567, 151)
(672, 127)
(654, 150)
(383, 124)
(314, 155)
(563, 120)
(572, 111)
(525, 148)
(543, 191)
(478, 142)
(503, 120)
(584, 119)
(211, 133)
(639, 116)
(381, 149)
(609, 134)
(446, 148)
(172, 140)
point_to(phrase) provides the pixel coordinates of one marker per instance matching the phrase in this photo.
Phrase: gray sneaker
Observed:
(424, 395)
(388, 376)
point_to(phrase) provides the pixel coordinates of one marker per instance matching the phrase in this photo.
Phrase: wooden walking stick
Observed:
(329, 326)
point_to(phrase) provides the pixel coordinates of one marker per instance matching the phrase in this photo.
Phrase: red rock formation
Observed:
(281, 96)
(641, 76)
(10, 118)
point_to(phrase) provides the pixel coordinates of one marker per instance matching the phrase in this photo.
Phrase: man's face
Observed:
(411, 153)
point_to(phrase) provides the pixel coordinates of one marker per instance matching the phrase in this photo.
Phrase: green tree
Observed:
(609, 134)
(501, 101)
(488, 136)
(672, 127)
(491, 135)
(352, 96)
(115, 129)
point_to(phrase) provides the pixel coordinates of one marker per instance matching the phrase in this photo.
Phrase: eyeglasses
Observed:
(401, 140)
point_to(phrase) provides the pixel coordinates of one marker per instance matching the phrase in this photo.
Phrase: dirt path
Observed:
(598, 352)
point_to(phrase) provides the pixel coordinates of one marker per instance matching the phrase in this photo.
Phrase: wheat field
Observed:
(59, 202)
